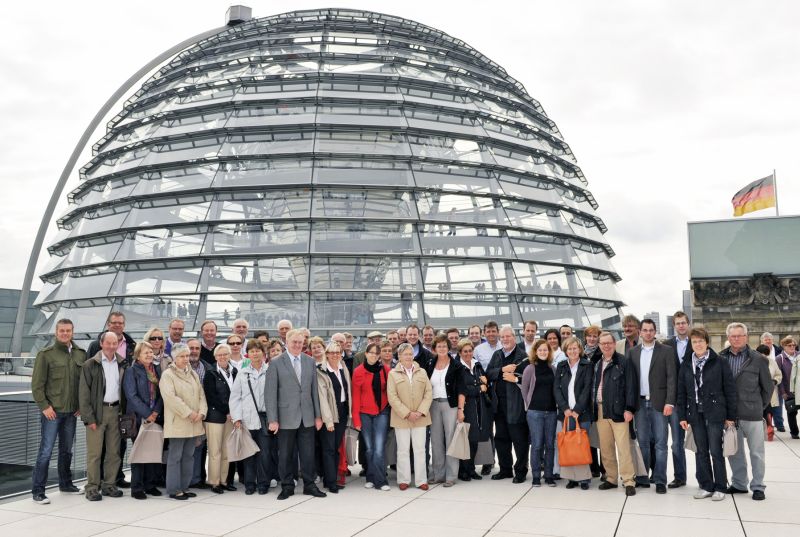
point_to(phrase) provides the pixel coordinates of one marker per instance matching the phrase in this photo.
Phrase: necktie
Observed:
(296, 363)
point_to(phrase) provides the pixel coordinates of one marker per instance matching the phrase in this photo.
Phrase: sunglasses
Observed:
(234, 343)
(156, 338)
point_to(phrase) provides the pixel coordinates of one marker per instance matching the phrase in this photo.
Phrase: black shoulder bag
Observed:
(262, 416)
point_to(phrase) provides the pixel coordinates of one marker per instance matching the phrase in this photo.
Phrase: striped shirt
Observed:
(736, 361)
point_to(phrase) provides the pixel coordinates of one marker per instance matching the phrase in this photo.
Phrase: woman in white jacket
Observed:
(248, 409)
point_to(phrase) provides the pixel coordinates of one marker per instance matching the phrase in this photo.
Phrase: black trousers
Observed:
(144, 476)
(507, 435)
(467, 466)
(258, 469)
(331, 440)
(291, 443)
(708, 437)
(791, 417)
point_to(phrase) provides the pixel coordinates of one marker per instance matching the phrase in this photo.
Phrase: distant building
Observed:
(656, 317)
(670, 327)
(687, 303)
(9, 299)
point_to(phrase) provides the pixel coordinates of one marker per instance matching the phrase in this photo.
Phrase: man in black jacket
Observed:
(753, 393)
(126, 344)
(511, 427)
(682, 350)
(614, 394)
(707, 402)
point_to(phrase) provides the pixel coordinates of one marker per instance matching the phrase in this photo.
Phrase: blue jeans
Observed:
(542, 427)
(678, 451)
(777, 416)
(63, 428)
(375, 429)
(651, 424)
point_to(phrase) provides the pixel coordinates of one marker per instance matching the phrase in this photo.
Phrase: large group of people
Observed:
(304, 401)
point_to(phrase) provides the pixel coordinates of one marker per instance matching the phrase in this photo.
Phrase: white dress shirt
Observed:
(571, 388)
(644, 370)
(483, 353)
(111, 373)
(437, 382)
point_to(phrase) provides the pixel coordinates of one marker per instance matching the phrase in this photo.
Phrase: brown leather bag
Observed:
(573, 446)
(128, 428)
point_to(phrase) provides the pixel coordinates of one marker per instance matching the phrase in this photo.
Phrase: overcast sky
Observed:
(669, 106)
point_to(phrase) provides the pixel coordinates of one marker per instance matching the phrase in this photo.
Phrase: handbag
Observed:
(351, 445)
(484, 454)
(390, 450)
(730, 441)
(638, 460)
(688, 440)
(128, 426)
(594, 436)
(148, 446)
(791, 406)
(573, 446)
(240, 445)
(262, 416)
(459, 444)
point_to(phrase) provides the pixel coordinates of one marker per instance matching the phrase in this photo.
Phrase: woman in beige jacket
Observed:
(184, 410)
(410, 395)
(335, 407)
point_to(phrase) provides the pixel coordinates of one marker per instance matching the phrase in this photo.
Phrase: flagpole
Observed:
(775, 187)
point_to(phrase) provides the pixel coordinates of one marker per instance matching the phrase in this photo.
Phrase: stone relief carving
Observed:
(760, 290)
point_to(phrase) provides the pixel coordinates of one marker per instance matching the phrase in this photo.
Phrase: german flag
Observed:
(757, 195)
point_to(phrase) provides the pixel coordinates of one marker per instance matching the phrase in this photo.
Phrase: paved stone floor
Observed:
(490, 508)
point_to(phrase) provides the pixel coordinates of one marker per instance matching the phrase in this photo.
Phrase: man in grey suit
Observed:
(293, 412)
(654, 368)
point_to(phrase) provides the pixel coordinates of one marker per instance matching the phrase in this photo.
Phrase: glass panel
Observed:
(263, 173)
(268, 143)
(442, 308)
(442, 239)
(109, 191)
(362, 310)
(599, 285)
(440, 120)
(277, 113)
(176, 180)
(364, 273)
(533, 217)
(287, 273)
(88, 225)
(455, 208)
(87, 320)
(261, 205)
(143, 313)
(445, 275)
(448, 148)
(547, 279)
(459, 178)
(76, 286)
(266, 238)
(201, 120)
(361, 237)
(163, 243)
(364, 204)
(362, 173)
(116, 163)
(183, 150)
(363, 143)
(85, 254)
(552, 312)
(262, 310)
(191, 212)
(166, 280)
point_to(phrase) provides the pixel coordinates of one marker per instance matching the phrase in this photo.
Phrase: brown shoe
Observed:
(423, 486)
(403, 486)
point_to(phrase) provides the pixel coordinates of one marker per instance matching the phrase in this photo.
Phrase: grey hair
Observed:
(179, 349)
(104, 334)
(505, 328)
(221, 347)
(766, 335)
(733, 326)
(403, 347)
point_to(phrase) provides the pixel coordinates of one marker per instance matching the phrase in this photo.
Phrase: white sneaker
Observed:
(718, 496)
(702, 495)
(385, 488)
(369, 485)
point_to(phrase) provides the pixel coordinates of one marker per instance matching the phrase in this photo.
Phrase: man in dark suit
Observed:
(293, 413)
(421, 355)
(682, 350)
(654, 366)
(529, 330)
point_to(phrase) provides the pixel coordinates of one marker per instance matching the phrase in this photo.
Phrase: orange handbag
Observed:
(573, 446)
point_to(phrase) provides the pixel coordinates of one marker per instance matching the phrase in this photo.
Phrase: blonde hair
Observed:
(533, 358)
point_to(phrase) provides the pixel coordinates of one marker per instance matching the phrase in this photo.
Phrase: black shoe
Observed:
(139, 495)
(153, 492)
(201, 485)
(661, 489)
(630, 491)
(229, 488)
(596, 473)
(475, 475)
(572, 484)
(93, 496)
(652, 480)
(41, 499)
(676, 483)
(262, 492)
(795, 436)
(189, 494)
(179, 496)
(734, 490)
(362, 473)
(781, 430)
(285, 493)
(113, 493)
(334, 489)
(550, 482)
(251, 491)
(758, 495)
(123, 484)
(557, 477)
(486, 469)
(536, 482)
(217, 489)
(642, 485)
(518, 479)
(312, 490)
(70, 489)
(465, 477)
(501, 475)
(605, 485)
(584, 486)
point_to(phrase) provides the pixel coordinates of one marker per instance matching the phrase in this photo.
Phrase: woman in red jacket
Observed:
(371, 413)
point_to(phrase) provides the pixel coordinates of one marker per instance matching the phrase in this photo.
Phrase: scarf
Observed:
(589, 351)
(377, 370)
(153, 379)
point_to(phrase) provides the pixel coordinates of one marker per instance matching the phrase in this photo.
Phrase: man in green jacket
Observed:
(56, 376)
(100, 398)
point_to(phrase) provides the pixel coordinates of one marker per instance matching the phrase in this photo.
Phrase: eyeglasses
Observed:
(234, 343)
(156, 338)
